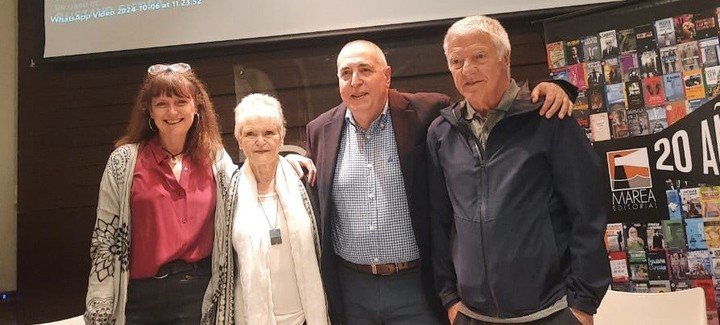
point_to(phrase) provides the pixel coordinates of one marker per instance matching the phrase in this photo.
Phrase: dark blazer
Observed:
(411, 115)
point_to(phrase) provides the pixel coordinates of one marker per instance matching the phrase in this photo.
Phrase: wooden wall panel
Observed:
(70, 113)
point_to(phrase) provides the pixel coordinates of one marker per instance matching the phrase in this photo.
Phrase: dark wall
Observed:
(71, 111)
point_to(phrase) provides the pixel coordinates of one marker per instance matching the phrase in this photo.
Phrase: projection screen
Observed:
(75, 27)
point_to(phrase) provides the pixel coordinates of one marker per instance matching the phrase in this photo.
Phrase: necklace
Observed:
(174, 158)
(274, 232)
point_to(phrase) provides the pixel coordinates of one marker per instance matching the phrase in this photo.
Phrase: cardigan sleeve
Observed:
(109, 246)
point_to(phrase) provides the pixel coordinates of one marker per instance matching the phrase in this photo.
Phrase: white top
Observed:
(285, 294)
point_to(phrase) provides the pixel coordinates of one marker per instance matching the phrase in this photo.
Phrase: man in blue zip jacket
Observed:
(516, 214)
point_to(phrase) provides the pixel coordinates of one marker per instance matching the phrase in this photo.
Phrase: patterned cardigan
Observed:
(110, 245)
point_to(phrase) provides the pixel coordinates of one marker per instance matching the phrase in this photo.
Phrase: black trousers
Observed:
(563, 317)
(174, 299)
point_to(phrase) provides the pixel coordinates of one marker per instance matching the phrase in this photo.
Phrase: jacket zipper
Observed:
(481, 159)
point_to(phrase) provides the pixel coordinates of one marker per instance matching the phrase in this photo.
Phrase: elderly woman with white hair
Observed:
(274, 233)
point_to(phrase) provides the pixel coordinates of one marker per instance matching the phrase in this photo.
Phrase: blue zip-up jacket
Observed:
(520, 224)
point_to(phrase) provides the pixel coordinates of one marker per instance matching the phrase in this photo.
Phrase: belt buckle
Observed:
(161, 277)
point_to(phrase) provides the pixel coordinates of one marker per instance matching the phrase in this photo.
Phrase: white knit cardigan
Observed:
(110, 245)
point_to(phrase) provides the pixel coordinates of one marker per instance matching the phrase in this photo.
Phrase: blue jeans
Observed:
(392, 299)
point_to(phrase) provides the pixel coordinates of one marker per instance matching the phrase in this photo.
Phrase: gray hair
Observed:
(371, 46)
(259, 105)
(483, 24)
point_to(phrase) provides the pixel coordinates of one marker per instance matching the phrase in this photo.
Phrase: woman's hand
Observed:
(299, 162)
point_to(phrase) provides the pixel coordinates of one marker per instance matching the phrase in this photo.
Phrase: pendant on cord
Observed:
(275, 238)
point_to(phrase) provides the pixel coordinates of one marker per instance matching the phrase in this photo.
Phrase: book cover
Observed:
(684, 28)
(665, 32)
(692, 206)
(649, 64)
(611, 69)
(609, 44)
(689, 54)
(633, 91)
(669, 60)
(673, 87)
(694, 104)
(594, 73)
(653, 91)
(614, 94)
(659, 286)
(712, 232)
(715, 258)
(581, 102)
(645, 37)
(596, 99)
(591, 48)
(677, 264)
(560, 74)
(710, 201)
(674, 204)
(674, 111)
(716, 285)
(638, 121)
(674, 234)
(693, 83)
(618, 120)
(599, 127)
(708, 51)
(627, 40)
(614, 237)
(656, 117)
(555, 54)
(622, 286)
(635, 234)
(655, 238)
(705, 24)
(619, 267)
(699, 264)
(581, 113)
(711, 81)
(629, 67)
(573, 52)
(657, 266)
(576, 76)
(679, 285)
(640, 286)
(695, 233)
(638, 272)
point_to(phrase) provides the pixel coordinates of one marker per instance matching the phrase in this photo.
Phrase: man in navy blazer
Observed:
(372, 192)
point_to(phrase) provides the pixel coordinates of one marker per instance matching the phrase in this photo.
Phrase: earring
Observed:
(197, 118)
(150, 124)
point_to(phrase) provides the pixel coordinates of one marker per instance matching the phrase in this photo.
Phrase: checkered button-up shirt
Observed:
(373, 219)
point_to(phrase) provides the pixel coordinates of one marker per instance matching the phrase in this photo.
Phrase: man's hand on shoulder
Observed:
(556, 100)
(299, 162)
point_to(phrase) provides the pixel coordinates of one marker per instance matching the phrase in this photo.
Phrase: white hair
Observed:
(483, 24)
(259, 105)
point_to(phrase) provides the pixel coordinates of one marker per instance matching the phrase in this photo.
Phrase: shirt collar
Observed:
(505, 102)
(382, 117)
(157, 151)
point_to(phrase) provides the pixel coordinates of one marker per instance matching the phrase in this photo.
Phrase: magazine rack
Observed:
(679, 307)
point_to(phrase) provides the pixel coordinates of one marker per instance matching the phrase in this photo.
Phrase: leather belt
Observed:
(382, 269)
(180, 266)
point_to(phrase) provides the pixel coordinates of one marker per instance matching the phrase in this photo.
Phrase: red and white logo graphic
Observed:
(629, 169)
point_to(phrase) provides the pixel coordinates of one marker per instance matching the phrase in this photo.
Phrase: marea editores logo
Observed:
(630, 179)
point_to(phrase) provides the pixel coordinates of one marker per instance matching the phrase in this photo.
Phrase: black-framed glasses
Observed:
(175, 67)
